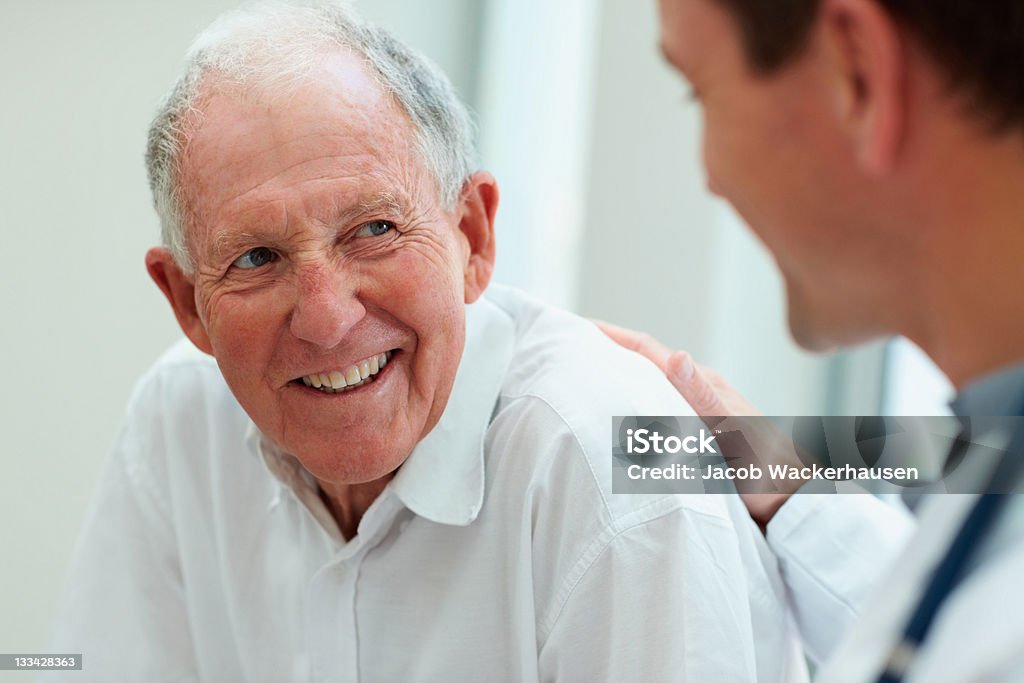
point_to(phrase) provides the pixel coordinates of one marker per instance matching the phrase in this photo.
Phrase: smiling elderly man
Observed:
(358, 476)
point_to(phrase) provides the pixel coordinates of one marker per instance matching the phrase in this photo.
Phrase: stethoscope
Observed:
(953, 568)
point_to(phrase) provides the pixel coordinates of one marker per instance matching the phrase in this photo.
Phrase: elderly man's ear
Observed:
(477, 206)
(180, 291)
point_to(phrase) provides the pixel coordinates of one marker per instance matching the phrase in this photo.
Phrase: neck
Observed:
(348, 503)
(970, 318)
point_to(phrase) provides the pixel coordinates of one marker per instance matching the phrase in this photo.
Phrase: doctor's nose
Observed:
(326, 306)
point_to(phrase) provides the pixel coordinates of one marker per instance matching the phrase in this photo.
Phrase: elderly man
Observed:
(357, 476)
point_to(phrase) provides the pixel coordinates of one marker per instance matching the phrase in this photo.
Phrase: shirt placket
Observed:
(332, 625)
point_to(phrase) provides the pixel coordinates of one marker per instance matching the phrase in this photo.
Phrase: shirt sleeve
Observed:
(124, 606)
(832, 550)
(659, 602)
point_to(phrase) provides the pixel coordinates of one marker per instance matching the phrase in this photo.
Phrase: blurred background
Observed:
(604, 211)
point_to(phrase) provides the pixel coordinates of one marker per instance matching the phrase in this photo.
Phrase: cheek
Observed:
(727, 142)
(429, 271)
(723, 157)
(242, 328)
(426, 296)
(430, 298)
(751, 156)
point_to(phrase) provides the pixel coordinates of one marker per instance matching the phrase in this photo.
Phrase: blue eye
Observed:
(255, 258)
(375, 229)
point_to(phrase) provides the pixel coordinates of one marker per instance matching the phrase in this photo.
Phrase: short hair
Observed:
(979, 45)
(273, 45)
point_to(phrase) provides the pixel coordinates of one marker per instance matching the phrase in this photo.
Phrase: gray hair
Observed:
(273, 45)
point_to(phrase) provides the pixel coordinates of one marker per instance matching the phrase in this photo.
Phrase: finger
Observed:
(622, 336)
(733, 402)
(640, 342)
(717, 380)
(691, 381)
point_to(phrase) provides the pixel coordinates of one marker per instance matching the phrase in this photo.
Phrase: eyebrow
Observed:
(227, 244)
(382, 202)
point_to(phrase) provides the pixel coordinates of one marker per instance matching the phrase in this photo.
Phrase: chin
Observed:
(810, 340)
(348, 465)
(822, 331)
(811, 329)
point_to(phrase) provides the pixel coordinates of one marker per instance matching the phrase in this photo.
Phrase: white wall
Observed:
(80, 81)
(535, 108)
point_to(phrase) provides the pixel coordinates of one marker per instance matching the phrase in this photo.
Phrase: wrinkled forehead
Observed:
(335, 121)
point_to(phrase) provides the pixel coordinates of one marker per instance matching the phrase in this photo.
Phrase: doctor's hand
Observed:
(711, 396)
(704, 389)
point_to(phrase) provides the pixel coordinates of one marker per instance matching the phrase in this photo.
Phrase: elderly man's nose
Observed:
(326, 309)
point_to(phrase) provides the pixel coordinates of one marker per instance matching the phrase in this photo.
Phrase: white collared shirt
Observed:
(497, 553)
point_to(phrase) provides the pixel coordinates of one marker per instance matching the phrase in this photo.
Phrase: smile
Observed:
(356, 375)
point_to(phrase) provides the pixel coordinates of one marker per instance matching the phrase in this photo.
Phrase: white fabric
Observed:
(498, 552)
(978, 634)
(833, 550)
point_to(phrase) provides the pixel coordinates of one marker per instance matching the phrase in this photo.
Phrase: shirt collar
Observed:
(289, 473)
(443, 479)
(997, 393)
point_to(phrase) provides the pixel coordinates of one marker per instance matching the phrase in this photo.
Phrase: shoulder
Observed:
(180, 422)
(566, 360)
(184, 385)
(565, 382)
(182, 368)
(549, 463)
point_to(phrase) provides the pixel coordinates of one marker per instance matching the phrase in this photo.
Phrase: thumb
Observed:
(694, 385)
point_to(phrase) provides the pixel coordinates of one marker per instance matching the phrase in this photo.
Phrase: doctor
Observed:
(876, 147)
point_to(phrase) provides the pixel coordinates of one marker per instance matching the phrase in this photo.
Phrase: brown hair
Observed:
(979, 44)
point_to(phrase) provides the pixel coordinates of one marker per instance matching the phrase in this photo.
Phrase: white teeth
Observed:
(351, 377)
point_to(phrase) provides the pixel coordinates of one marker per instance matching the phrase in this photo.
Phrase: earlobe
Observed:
(870, 67)
(181, 294)
(477, 208)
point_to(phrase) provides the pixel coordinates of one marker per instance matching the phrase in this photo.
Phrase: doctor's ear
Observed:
(869, 67)
(181, 294)
(477, 207)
